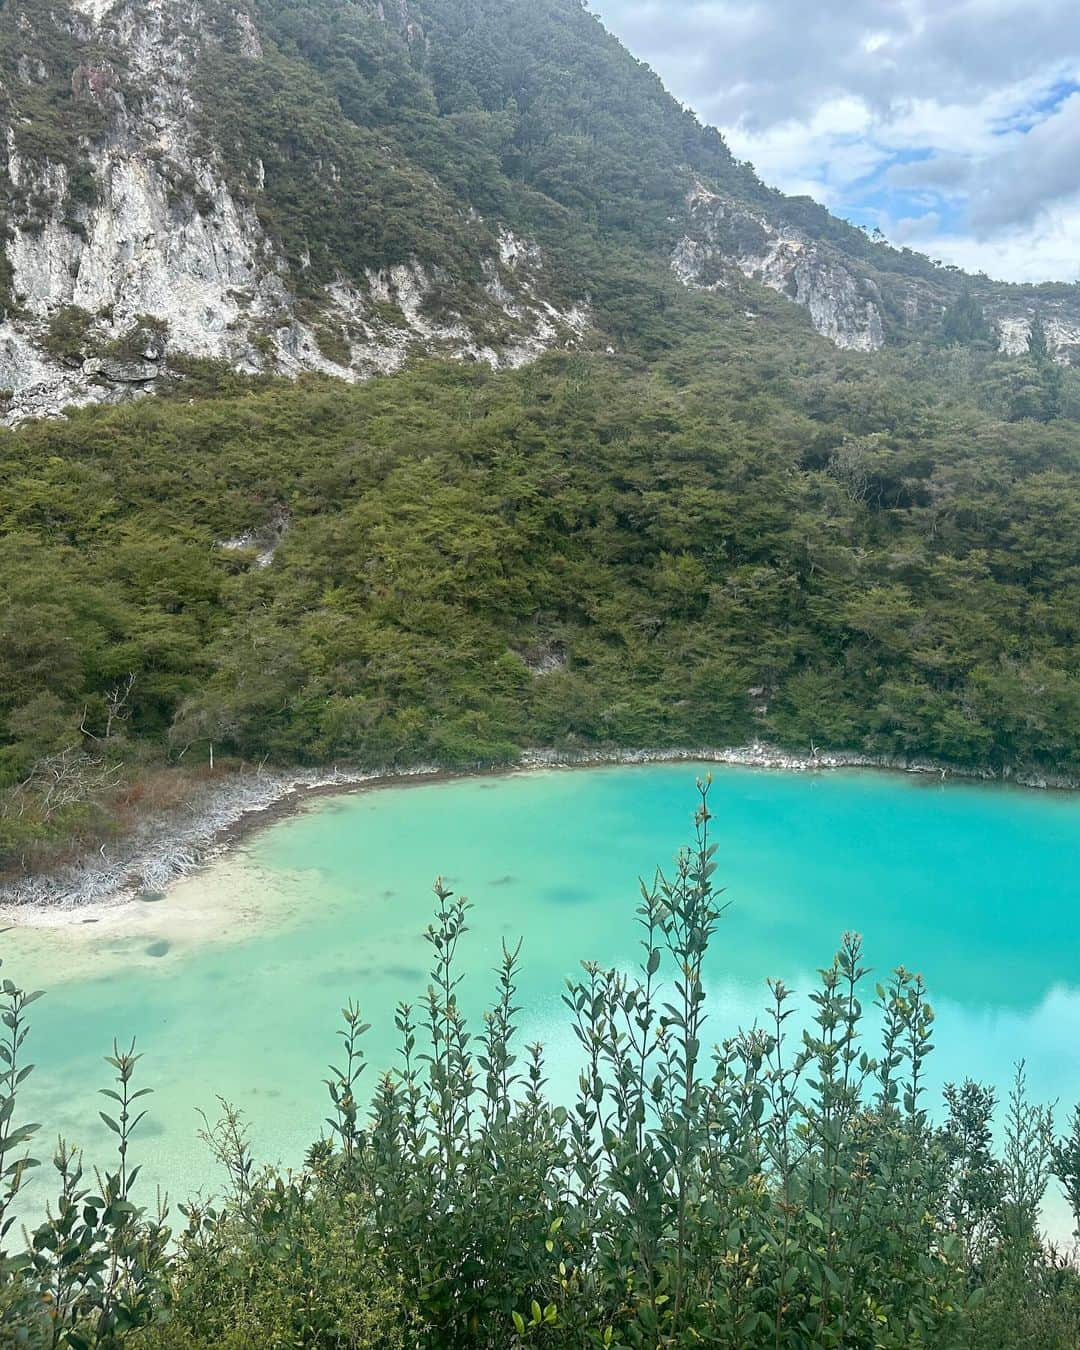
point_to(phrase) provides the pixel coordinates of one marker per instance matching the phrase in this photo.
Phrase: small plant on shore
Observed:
(785, 1187)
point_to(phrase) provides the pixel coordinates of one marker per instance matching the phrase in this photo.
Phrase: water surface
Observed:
(233, 982)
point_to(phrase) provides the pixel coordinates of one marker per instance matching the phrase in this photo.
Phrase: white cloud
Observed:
(1036, 170)
(947, 122)
(1049, 252)
(820, 156)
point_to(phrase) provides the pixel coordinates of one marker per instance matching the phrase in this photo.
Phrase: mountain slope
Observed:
(333, 185)
(656, 506)
(131, 195)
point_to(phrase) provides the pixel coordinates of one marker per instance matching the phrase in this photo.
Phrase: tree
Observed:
(1037, 343)
(964, 323)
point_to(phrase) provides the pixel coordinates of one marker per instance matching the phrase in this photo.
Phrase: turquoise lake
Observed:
(232, 984)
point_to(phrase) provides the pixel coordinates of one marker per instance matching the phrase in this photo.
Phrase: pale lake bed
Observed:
(233, 979)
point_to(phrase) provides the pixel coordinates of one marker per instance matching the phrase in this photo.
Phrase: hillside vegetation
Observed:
(728, 530)
(700, 525)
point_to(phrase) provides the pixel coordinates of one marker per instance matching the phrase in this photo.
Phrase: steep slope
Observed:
(860, 293)
(332, 185)
(132, 230)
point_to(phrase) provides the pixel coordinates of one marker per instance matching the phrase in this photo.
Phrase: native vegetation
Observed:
(703, 525)
(786, 1187)
(725, 530)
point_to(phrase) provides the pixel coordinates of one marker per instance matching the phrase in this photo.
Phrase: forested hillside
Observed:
(340, 185)
(733, 532)
(693, 520)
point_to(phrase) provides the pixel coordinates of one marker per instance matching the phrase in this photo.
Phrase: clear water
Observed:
(233, 983)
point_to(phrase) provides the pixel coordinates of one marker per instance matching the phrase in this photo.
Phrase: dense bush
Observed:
(591, 551)
(785, 1188)
(709, 526)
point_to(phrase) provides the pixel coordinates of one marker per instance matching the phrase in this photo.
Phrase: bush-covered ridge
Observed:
(365, 136)
(783, 1189)
(727, 531)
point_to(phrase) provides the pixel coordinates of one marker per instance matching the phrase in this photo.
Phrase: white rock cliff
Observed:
(726, 239)
(199, 262)
(843, 307)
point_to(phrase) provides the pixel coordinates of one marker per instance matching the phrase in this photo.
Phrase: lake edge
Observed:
(162, 857)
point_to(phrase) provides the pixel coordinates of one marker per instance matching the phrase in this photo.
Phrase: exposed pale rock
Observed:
(198, 260)
(250, 43)
(266, 539)
(120, 371)
(95, 10)
(1062, 336)
(388, 313)
(30, 72)
(726, 239)
(723, 237)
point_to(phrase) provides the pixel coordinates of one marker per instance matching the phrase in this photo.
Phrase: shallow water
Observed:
(232, 983)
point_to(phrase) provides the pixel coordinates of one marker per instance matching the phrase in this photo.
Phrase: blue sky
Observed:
(951, 125)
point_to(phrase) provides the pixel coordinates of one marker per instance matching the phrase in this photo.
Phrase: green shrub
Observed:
(786, 1189)
(69, 333)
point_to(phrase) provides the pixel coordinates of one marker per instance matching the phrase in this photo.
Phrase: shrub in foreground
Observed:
(785, 1188)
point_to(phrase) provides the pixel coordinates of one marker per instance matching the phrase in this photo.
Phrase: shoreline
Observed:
(165, 850)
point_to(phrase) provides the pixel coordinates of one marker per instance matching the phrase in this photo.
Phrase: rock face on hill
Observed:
(131, 221)
(859, 302)
(724, 237)
(335, 186)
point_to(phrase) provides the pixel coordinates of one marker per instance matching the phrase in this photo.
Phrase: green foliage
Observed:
(501, 103)
(786, 1188)
(336, 198)
(48, 101)
(68, 335)
(92, 1271)
(1037, 344)
(840, 558)
(147, 335)
(964, 323)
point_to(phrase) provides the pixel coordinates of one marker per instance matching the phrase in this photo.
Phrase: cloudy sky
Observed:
(952, 125)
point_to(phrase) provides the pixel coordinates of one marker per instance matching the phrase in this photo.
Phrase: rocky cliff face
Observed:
(855, 302)
(1061, 320)
(133, 247)
(725, 238)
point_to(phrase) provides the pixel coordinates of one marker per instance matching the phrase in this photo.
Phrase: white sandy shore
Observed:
(163, 851)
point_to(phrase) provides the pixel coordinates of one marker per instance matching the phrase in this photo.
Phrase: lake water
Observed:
(232, 984)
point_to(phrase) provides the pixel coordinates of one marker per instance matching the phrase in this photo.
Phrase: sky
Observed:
(951, 125)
